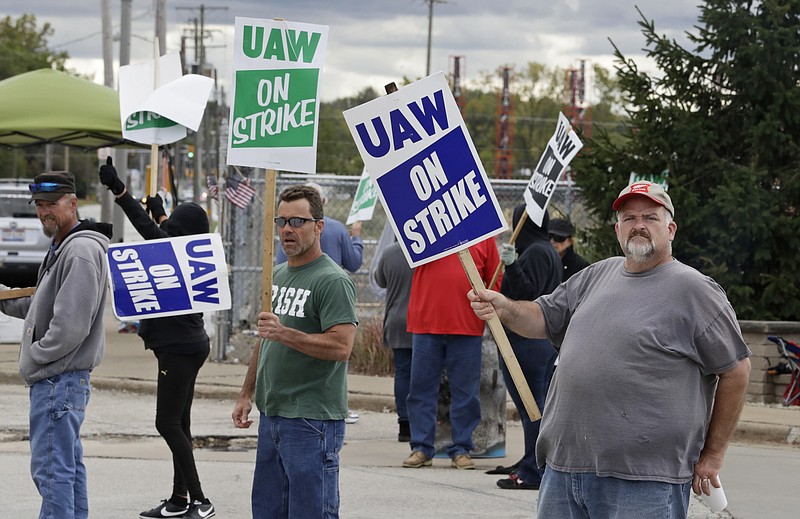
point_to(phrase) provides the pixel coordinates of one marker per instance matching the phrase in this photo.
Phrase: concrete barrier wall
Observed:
(763, 387)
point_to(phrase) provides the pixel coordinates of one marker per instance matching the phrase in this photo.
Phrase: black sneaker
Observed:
(165, 509)
(200, 510)
(513, 482)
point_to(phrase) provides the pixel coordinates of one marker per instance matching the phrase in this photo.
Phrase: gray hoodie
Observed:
(64, 319)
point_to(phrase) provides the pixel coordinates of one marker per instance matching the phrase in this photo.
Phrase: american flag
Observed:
(239, 191)
(213, 189)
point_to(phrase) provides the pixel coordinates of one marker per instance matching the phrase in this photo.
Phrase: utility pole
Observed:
(121, 154)
(430, 33)
(106, 200)
(161, 26)
(200, 58)
(199, 141)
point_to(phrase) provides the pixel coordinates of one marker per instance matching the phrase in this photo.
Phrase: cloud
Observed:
(373, 42)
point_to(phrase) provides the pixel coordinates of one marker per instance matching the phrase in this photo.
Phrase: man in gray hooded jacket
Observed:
(63, 340)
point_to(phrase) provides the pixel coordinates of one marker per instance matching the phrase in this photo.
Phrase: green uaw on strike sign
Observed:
(275, 108)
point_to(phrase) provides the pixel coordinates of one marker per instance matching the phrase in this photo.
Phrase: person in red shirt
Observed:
(447, 335)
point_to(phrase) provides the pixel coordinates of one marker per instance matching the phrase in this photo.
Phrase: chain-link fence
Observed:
(242, 233)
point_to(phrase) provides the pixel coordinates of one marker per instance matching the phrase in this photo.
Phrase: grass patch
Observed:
(370, 356)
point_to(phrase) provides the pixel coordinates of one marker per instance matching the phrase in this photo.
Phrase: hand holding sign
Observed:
(432, 184)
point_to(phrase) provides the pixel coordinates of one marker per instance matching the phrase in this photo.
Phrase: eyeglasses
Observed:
(294, 221)
(46, 187)
(558, 239)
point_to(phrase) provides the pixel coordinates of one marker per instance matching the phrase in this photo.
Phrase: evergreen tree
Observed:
(723, 120)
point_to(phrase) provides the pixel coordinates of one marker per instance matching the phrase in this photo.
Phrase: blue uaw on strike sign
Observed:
(171, 276)
(431, 182)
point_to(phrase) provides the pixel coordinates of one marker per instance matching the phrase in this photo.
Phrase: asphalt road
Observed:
(129, 469)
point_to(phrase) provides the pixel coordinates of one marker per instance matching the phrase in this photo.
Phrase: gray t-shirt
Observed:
(633, 391)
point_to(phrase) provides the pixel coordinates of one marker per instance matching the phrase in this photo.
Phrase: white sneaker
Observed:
(352, 417)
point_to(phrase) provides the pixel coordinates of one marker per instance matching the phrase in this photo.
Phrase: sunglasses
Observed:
(558, 239)
(46, 187)
(294, 221)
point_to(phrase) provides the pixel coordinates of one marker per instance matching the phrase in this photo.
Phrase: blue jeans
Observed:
(537, 359)
(402, 380)
(58, 406)
(460, 356)
(297, 468)
(565, 495)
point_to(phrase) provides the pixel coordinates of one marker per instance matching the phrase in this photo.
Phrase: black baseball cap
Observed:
(52, 185)
(561, 227)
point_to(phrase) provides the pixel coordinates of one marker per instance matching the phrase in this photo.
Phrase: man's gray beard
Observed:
(639, 252)
(49, 231)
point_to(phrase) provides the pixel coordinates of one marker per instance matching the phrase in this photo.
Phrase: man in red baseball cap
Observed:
(651, 378)
(653, 191)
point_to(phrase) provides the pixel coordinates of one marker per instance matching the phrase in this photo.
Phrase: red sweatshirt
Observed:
(439, 303)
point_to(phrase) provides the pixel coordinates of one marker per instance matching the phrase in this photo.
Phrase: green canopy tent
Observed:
(50, 107)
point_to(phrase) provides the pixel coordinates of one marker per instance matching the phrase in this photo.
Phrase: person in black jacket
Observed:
(181, 346)
(537, 271)
(561, 236)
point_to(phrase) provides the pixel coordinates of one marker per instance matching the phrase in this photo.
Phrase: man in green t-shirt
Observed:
(298, 373)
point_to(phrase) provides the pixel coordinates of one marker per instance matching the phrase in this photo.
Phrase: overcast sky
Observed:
(374, 42)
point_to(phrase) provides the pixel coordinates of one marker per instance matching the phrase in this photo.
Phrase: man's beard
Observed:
(639, 251)
(50, 229)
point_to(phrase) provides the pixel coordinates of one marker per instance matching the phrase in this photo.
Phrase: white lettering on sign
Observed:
(444, 213)
(136, 280)
(267, 93)
(273, 121)
(164, 276)
(428, 176)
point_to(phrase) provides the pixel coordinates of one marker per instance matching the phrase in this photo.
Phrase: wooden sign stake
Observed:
(152, 178)
(16, 293)
(499, 334)
(268, 241)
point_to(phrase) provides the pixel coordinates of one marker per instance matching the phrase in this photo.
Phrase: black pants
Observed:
(176, 378)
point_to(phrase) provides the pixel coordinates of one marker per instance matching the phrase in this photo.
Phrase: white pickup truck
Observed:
(23, 245)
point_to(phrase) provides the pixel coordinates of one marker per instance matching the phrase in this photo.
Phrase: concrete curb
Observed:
(754, 432)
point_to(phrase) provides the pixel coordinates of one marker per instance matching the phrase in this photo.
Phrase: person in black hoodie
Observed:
(181, 346)
(537, 271)
(561, 236)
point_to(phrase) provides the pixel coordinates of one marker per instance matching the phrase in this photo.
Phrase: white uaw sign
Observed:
(171, 276)
(560, 150)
